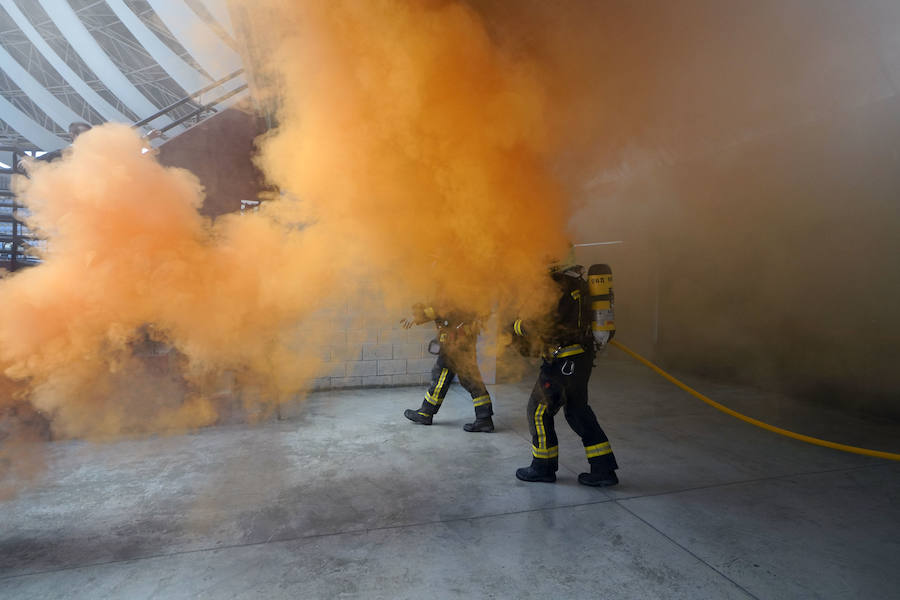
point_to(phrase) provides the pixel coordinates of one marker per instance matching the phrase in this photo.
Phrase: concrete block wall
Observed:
(366, 350)
(363, 349)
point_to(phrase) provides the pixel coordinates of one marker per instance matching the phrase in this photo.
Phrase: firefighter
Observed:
(457, 336)
(566, 345)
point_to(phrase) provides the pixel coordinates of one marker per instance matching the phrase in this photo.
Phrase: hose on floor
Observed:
(797, 436)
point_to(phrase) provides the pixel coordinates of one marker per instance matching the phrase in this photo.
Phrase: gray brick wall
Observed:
(367, 351)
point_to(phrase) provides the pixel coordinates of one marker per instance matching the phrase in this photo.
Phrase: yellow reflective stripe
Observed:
(597, 450)
(440, 383)
(517, 327)
(539, 425)
(435, 398)
(576, 294)
(481, 400)
(570, 351)
(429, 312)
(548, 453)
(424, 414)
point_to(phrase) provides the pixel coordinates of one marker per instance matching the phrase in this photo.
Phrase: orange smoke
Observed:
(130, 261)
(417, 142)
(410, 155)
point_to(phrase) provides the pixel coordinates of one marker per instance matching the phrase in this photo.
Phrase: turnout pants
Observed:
(457, 361)
(556, 389)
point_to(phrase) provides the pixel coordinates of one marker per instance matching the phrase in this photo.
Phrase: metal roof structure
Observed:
(95, 61)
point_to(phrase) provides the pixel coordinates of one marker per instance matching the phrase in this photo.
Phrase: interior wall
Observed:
(219, 151)
(754, 175)
(780, 261)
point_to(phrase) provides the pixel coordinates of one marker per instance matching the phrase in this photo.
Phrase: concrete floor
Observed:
(346, 499)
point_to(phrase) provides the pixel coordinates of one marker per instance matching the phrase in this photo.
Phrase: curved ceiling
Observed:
(105, 60)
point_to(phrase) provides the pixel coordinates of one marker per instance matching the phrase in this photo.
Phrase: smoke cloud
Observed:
(442, 151)
(130, 265)
(415, 142)
(747, 155)
(411, 155)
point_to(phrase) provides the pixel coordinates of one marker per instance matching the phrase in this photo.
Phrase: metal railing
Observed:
(206, 107)
(15, 238)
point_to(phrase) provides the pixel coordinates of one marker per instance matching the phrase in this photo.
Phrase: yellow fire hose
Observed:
(752, 421)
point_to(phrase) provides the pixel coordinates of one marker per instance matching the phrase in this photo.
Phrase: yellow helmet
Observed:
(565, 264)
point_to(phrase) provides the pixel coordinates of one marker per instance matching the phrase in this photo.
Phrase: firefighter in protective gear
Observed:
(457, 337)
(567, 349)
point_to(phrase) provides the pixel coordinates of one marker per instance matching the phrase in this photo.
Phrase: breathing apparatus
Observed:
(602, 299)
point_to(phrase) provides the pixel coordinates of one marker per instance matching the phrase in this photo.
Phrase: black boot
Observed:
(600, 476)
(540, 470)
(417, 417)
(486, 425)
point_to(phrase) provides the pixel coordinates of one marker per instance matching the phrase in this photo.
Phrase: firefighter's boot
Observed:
(541, 469)
(417, 416)
(600, 476)
(485, 425)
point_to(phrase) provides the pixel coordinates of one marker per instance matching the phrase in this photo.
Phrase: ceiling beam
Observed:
(197, 37)
(28, 128)
(104, 108)
(96, 58)
(61, 114)
(184, 74)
